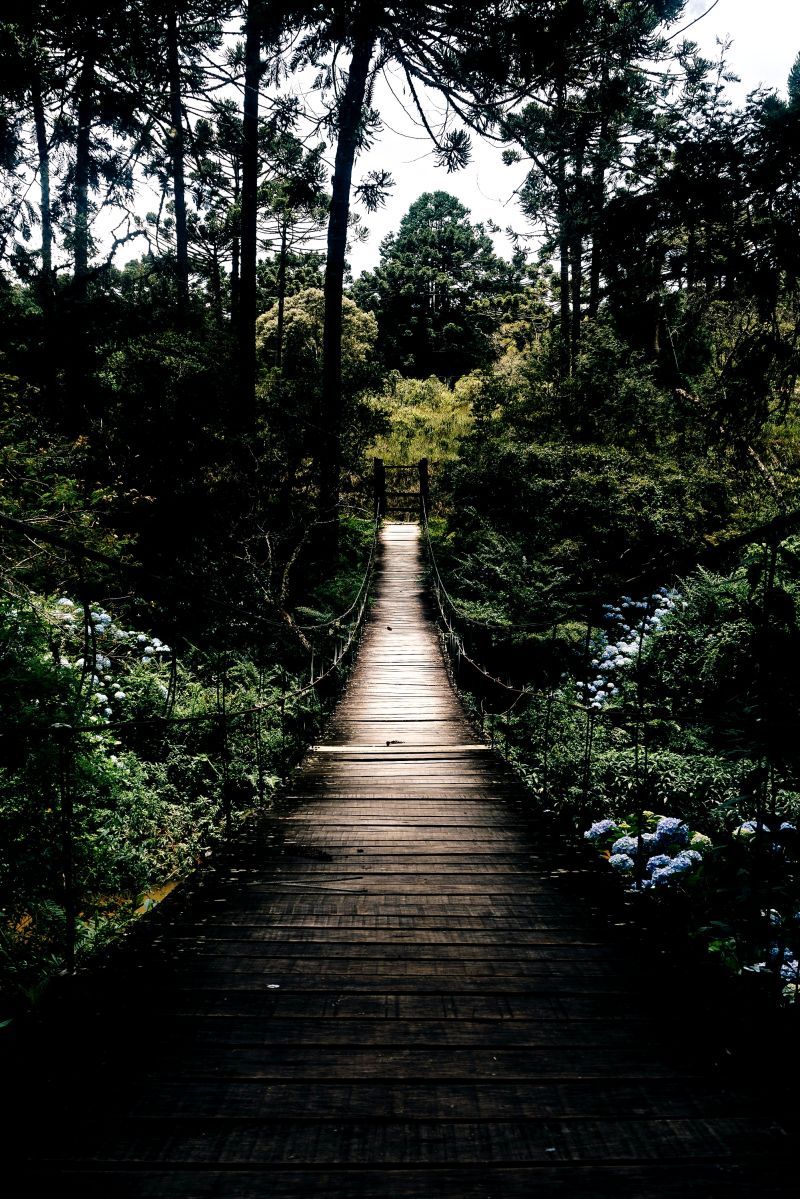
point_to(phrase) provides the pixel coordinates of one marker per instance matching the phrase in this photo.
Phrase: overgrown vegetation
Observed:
(612, 410)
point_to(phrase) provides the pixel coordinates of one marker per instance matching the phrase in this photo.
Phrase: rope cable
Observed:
(196, 718)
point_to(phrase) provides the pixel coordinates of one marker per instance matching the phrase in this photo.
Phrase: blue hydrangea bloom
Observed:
(753, 826)
(601, 828)
(672, 829)
(658, 862)
(790, 971)
(775, 953)
(621, 861)
(628, 845)
(682, 864)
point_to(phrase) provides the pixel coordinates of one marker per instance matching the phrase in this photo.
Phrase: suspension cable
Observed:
(440, 591)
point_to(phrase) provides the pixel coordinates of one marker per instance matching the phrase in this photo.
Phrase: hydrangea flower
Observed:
(687, 859)
(601, 828)
(625, 845)
(672, 829)
(657, 862)
(749, 828)
(629, 622)
(621, 861)
(676, 867)
(775, 953)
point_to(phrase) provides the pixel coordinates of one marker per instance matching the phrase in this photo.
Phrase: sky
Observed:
(766, 41)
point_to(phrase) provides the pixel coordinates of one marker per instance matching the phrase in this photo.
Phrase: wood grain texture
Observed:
(393, 995)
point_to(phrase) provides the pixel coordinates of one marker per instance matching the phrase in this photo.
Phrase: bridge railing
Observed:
(273, 732)
(532, 713)
(401, 489)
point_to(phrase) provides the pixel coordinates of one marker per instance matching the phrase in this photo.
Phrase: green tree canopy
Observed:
(438, 289)
(289, 394)
(427, 419)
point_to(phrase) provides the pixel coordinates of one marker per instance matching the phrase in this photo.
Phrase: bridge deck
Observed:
(403, 1001)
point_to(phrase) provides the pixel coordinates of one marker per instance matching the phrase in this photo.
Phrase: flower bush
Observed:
(148, 794)
(652, 852)
(628, 624)
(759, 856)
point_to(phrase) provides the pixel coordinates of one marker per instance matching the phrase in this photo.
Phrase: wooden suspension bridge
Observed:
(392, 993)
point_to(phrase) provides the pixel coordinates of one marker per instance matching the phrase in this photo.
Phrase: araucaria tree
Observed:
(438, 289)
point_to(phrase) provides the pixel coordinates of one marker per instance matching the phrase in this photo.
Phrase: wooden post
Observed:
(63, 735)
(379, 487)
(548, 716)
(424, 487)
(283, 724)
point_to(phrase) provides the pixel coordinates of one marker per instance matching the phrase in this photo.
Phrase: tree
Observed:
(298, 271)
(296, 210)
(214, 217)
(426, 418)
(253, 70)
(599, 99)
(177, 146)
(290, 395)
(437, 291)
(461, 52)
(349, 119)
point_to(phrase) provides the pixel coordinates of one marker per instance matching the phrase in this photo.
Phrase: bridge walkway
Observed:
(399, 996)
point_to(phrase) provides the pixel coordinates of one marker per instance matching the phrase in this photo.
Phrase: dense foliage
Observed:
(612, 417)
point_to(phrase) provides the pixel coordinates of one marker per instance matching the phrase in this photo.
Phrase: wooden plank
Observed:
(254, 1031)
(356, 1063)
(392, 995)
(540, 1141)
(702, 1180)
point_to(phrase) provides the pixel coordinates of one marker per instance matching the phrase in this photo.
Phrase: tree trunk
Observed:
(235, 257)
(576, 254)
(43, 150)
(282, 288)
(216, 289)
(563, 238)
(49, 360)
(563, 249)
(82, 168)
(599, 188)
(598, 202)
(177, 153)
(249, 226)
(691, 258)
(349, 122)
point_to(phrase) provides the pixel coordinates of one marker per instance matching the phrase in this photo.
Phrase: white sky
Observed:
(766, 41)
